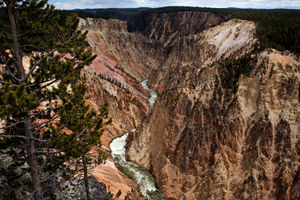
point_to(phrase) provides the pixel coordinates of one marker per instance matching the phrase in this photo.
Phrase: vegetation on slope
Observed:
(119, 13)
(279, 28)
(46, 127)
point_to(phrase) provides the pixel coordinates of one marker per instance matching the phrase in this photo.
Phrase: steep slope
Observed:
(167, 27)
(191, 53)
(223, 131)
(132, 53)
(123, 61)
(226, 122)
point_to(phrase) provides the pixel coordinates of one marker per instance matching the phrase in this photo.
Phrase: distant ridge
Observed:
(120, 13)
(283, 37)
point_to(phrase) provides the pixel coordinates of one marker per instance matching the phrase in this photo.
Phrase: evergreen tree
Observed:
(42, 102)
(85, 126)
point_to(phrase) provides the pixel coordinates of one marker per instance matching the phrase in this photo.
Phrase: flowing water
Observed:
(141, 176)
(153, 94)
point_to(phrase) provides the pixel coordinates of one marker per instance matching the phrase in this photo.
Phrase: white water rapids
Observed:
(153, 94)
(141, 176)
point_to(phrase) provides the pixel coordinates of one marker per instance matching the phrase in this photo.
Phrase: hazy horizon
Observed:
(243, 4)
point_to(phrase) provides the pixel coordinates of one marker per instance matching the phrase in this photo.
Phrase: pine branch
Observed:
(15, 85)
(46, 152)
(33, 47)
(47, 55)
(35, 84)
(43, 123)
(64, 126)
(12, 75)
(39, 140)
(23, 137)
(14, 124)
(22, 34)
(48, 84)
(4, 82)
(32, 194)
(40, 128)
(37, 63)
(79, 134)
(39, 112)
(30, 85)
(5, 25)
(13, 136)
(46, 98)
(44, 164)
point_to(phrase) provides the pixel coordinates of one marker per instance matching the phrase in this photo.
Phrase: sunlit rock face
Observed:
(213, 133)
(167, 27)
(196, 51)
(123, 60)
(208, 140)
(101, 24)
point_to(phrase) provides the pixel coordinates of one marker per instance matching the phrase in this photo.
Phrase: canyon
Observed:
(226, 121)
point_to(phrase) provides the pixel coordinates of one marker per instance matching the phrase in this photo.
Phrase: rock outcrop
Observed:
(221, 130)
(226, 121)
(167, 27)
(123, 61)
(102, 24)
(75, 189)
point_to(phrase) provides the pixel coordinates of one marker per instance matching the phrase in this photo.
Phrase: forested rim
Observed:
(82, 13)
(276, 28)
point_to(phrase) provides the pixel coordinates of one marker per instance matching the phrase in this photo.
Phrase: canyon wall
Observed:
(226, 121)
(167, 27)
(123, 61)
(225, 126)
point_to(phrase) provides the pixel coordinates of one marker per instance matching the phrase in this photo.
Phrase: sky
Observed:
(72, 4)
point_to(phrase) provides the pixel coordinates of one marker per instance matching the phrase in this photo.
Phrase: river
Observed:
(139, 175)
(153, 93)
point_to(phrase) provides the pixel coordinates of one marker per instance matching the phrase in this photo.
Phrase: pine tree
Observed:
(41, 102)
(86, 127)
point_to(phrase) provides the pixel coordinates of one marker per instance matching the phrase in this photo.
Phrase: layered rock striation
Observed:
(123, 61)
(226, 122)
(167, 27)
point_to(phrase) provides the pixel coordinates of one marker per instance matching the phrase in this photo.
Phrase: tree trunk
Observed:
(35, 176)
(86, 181)
(17, 47)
